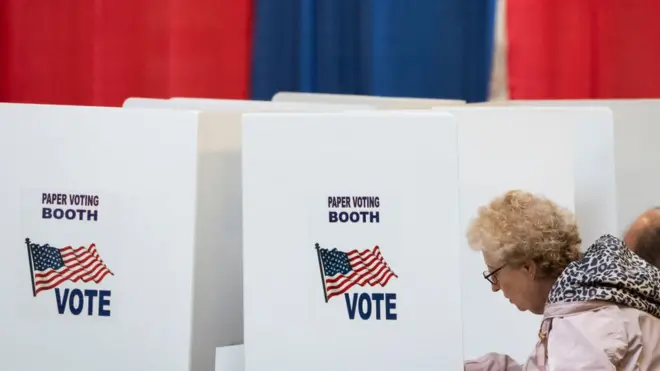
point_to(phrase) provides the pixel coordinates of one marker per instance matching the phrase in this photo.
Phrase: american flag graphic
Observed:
(342, 270)
(51, 266)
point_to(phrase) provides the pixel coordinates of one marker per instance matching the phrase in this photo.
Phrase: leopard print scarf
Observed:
(610, 272)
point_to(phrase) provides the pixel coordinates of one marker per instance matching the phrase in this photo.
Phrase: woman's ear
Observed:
(530, 268)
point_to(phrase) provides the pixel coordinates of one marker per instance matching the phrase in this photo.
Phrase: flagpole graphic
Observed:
(318, 254)
(27, 242)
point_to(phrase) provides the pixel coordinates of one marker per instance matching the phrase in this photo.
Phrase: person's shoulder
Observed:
(602, 316)
(593, 320)
(590, 334)
(596, 333)
(581, 308)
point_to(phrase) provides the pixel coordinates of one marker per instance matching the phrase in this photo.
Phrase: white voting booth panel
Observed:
(256, 105)
(636, 152)
(594, 156)
(136, 102)
(230, 358)
(377, 102)
(129, 250)
(513, 148)
(203, 104)
(328, 199)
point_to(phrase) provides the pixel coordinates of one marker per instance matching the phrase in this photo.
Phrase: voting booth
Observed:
(637, 155)
(119, 250)
(350, 243)
(376, 102)
(541, 150)
(228, 114)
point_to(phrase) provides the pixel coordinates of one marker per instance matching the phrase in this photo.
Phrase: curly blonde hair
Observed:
(519, 226)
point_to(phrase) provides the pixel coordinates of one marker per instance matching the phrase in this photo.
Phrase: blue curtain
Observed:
(411, 48)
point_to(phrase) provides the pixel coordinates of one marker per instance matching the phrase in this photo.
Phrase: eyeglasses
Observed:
(491, 277)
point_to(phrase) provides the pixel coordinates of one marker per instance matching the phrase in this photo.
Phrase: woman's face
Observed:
(517, 284)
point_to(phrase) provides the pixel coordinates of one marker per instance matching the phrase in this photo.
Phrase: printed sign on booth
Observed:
(352, 260)
(64, 256)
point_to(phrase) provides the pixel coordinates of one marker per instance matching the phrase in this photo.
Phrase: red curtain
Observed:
(100, 52)
(563, 49)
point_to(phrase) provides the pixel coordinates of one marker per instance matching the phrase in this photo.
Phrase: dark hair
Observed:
(647, 245)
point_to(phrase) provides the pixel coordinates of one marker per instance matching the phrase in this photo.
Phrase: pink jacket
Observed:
(603, 314)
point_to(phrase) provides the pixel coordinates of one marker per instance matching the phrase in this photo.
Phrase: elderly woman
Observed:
(601, 311)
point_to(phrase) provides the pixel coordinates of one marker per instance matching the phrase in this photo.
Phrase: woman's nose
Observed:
(495, 287)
